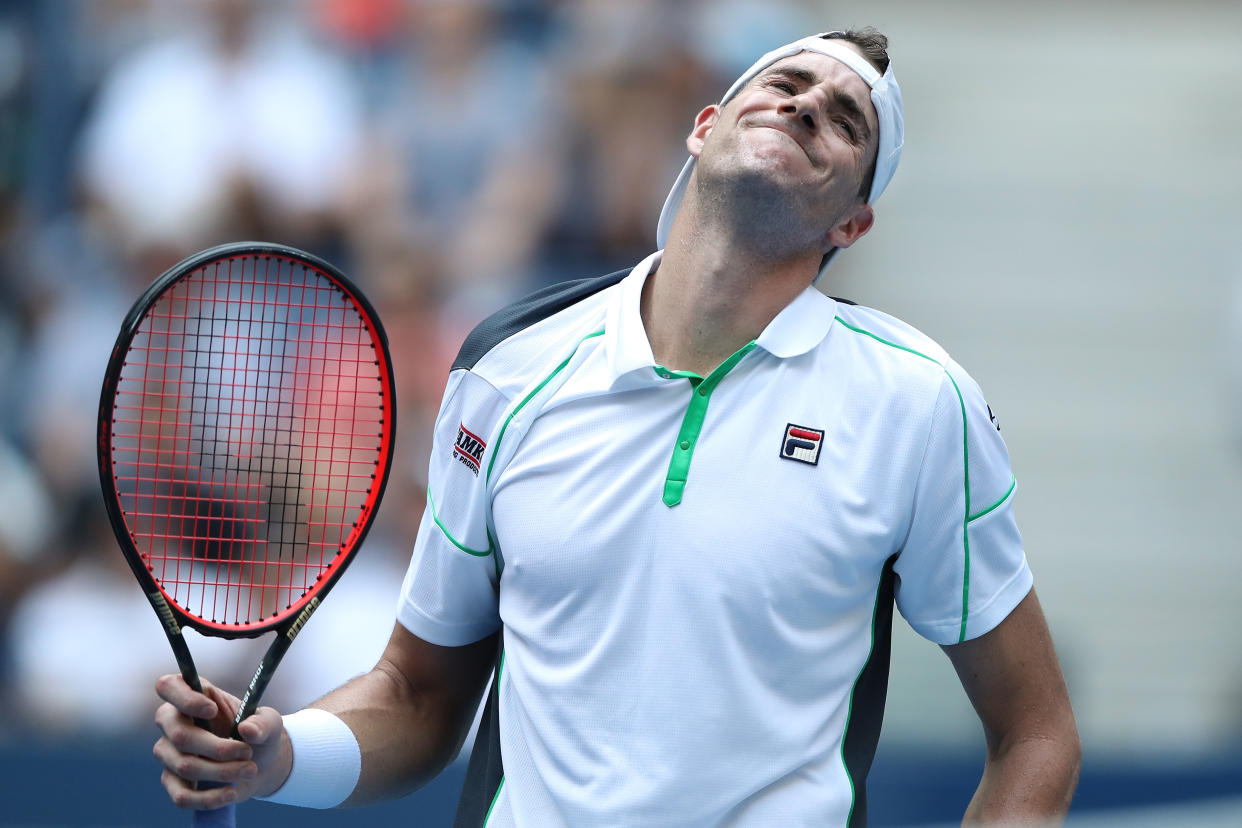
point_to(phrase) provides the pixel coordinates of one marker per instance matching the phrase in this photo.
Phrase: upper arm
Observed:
(450, 592)
(1013, 679)
(962, 567)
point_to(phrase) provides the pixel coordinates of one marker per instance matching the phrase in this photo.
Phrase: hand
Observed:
(257, 765)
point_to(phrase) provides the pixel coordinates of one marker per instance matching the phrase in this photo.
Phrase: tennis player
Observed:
(670, 511)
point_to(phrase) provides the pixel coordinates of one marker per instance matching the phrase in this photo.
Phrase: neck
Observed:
(712, 295)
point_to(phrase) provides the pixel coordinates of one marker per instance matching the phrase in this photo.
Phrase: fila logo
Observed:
(802, 444)
(469, 449)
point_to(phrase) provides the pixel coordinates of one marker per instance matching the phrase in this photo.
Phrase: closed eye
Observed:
(850, 115)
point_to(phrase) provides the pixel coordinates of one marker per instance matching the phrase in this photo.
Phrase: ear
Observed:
(852, 226)
(703, 124)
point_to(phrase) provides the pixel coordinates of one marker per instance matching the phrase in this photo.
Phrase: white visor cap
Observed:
(885, 96)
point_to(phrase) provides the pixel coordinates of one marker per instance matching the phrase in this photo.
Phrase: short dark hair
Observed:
(874, 47)
(872, 44)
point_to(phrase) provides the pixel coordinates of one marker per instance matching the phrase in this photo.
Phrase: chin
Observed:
(769, 170)
(772, 173)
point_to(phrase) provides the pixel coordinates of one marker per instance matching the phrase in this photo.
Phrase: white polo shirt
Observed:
(695, 576)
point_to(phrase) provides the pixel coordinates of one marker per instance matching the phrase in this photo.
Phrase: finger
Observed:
(186, 737)
(261, 726)
(173, 689)
(227, 701)
(184, 795)
(197, 769)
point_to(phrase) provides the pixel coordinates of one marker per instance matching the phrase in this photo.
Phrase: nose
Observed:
(802, 108)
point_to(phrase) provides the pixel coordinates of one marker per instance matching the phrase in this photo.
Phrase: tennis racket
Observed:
(246, 429)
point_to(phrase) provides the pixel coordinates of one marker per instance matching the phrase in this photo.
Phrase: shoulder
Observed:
(514, 340)
(907, 357)
(888, 334)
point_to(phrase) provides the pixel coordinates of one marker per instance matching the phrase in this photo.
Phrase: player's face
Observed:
(806, 124)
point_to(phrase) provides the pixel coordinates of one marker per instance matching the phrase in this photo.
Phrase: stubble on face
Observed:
(779, 193)
(750, 184)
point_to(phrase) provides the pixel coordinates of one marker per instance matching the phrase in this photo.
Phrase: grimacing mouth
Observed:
(788, 132)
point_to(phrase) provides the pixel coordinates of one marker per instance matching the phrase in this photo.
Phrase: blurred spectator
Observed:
(85, 650)
(14, 124)
(76, 677)
(459, 169)
(75, 303)
(361, 26)
(632, 82)
(236, 126)
(26, 524)
(14, 114)
(424, 342)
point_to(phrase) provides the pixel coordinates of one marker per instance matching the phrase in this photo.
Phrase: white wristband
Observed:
(326, 761)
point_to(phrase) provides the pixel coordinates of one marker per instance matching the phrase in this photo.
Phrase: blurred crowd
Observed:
(449, 155)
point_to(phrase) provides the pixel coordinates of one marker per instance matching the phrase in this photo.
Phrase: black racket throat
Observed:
(263, 673)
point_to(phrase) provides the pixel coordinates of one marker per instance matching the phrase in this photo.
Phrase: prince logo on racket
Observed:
(165, 614)
(674, 599)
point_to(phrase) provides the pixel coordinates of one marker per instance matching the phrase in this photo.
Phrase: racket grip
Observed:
(225, 817)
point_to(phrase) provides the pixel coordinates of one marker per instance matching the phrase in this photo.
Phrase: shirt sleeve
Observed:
(962, 568)
(449, 596)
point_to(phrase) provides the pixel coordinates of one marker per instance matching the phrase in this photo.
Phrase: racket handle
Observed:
(225, 817)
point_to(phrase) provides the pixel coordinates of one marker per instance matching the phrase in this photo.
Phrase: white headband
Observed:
(885, 96)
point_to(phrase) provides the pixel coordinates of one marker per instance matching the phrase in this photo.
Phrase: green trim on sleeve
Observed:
(530, 396)
(496, 448)
(889, 344)
(1013, 482)
(966, 518)
(490, 544)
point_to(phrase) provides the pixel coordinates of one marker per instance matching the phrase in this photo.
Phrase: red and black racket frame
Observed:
(289, 622)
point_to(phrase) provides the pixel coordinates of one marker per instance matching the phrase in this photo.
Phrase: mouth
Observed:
(790, 136)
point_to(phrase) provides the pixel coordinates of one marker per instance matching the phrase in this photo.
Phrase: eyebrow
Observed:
(842, 99)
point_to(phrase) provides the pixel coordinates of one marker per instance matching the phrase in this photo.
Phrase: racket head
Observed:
(246, 428)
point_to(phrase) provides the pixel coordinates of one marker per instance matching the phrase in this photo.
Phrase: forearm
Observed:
(408, 715)
(1029, 782)
(403, 735)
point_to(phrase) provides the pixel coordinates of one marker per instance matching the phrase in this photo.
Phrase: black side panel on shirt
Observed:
(862, 733)
(523, 313)
(485, 771)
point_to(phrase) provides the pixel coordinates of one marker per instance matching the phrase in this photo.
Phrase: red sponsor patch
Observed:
(469, 449)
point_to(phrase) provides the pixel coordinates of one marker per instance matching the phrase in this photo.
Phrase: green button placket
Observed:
(692, 422)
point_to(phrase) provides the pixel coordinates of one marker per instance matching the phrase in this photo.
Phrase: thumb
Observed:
(261, 727)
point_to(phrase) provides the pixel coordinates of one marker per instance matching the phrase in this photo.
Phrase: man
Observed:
(682, 501)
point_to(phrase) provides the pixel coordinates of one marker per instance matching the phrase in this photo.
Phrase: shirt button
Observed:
(685, 445)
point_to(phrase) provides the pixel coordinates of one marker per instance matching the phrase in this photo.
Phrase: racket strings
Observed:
(247, 430)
